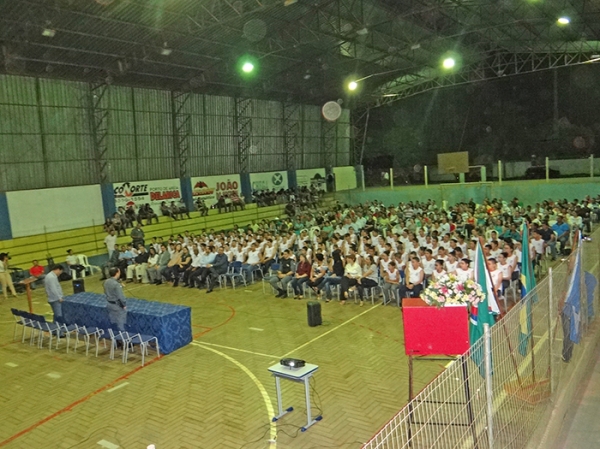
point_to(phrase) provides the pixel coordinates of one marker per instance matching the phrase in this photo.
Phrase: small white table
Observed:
(296, 375)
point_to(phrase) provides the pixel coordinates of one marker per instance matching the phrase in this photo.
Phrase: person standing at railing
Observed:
(54, 291)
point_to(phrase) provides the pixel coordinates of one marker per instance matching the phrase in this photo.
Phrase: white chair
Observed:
(83, 260)
(87, 333)
(143, 341)
(114, 338)
(52, 329)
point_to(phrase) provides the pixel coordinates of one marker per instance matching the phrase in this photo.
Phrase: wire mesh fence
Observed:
(528, 350)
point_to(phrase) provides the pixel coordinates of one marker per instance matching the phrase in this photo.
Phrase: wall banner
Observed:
(275, 180)
(311, 177)
(210, 188)
(142, 192)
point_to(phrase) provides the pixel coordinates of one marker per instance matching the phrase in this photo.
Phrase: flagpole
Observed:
(510, 348)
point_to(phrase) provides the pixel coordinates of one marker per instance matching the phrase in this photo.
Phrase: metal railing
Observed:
(469, 406)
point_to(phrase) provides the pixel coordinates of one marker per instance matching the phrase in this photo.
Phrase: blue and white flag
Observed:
(527, 278)
(590, 286)
(572, 307)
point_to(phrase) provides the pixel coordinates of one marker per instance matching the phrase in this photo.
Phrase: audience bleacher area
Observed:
(90, 240)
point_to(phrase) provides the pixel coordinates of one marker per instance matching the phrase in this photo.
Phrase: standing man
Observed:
(137, 236)
(110, 241)
(54, 291)
(117, 307)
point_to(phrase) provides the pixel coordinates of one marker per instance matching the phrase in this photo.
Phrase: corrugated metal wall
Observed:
(46, 135)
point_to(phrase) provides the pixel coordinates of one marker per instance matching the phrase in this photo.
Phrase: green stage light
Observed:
(352, 85)
(247, 66)
(449, 63)
(563, 20)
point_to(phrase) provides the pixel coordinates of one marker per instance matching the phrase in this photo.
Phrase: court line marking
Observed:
(124, 384)
(329, 331)
(107, 444)
(236, 349)
(77, 402)
(259, 385)
(98, 391)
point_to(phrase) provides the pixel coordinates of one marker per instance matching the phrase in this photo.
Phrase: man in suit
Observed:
(216, 268)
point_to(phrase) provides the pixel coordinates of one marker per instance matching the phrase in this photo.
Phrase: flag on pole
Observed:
(527, 285)
(484, 312)
(572, 307)
(590, 286)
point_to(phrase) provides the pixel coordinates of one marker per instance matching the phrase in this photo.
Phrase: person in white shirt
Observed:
(414, 279)
(110, 241)
(252, 263)
(391, 281)
(352, 274)
(451, 263)
(370, 277)
(74, 263)
(268, 255)
(438, 271)
(495, 274)
(538, 246)
(506, 269)
(463, 272)
(428, 263)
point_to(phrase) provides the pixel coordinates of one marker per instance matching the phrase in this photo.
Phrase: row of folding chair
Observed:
(39, 327)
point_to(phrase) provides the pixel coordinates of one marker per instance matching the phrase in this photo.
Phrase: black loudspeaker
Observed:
(314, 313)
(78, 286)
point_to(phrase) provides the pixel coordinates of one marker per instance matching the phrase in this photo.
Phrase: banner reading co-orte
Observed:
(142, 192)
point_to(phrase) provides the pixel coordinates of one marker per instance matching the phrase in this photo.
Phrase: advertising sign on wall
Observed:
(210, 188)
(311, 177)
(275, 180)
(142, 192)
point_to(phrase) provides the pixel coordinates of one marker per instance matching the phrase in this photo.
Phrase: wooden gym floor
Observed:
(215, 392)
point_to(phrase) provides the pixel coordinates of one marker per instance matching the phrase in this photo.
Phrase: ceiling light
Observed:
(449, 63)
(563, 20)
(165, 50)
(247, 67)
(48, 32)
(352, 85)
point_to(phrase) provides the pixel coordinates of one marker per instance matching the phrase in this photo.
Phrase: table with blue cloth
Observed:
(170, 323)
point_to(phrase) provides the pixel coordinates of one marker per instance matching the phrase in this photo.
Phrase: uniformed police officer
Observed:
(117, 307)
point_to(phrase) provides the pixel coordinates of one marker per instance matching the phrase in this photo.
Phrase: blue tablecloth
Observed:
(171, 324)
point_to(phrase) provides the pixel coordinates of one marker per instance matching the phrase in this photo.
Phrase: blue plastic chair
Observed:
(235, 272)
(143, 341)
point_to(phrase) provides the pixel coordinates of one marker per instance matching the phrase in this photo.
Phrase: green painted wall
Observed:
(527, 191)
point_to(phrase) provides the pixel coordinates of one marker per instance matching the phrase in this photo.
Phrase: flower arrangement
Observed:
(449, 290)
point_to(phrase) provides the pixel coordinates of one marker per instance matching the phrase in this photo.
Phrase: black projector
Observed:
(292, 363)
